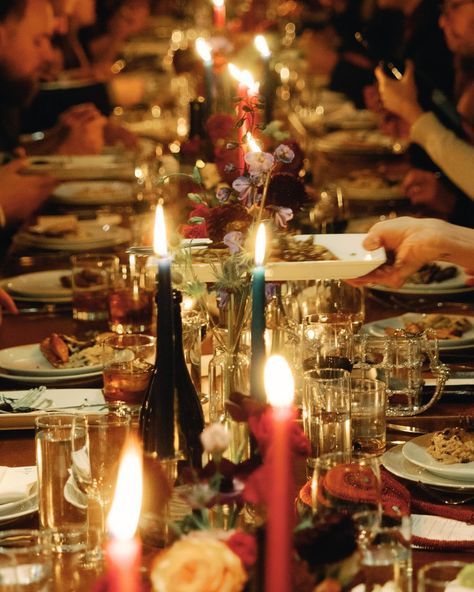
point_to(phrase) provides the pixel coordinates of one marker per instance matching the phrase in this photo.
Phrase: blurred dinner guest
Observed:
(454, 156)
(25, 45)
(415, 242)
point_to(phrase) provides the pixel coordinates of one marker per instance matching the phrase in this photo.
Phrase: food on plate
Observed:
(443, 326)
(55, 226)
(433, 273)
(452, 445)
(65, 351)
(368, 180)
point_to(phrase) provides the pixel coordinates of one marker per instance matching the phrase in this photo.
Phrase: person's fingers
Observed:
(19, 152)
(372, 241)
(7, 301)
(409, 70)
(386, 275)
(15, 166)
(380, 75)
(470, 280)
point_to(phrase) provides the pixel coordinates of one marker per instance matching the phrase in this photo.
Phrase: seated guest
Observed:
(416, 242)
(454, 156)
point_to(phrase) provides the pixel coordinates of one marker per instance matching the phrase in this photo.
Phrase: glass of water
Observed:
(25, 560)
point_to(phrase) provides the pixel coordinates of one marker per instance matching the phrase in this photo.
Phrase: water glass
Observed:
(439, 576)
(368, 408)
(131, 297)
(386, 560)
(97, 441)
(91, 284)
(327, 411)
(25, 560)
(342, 483)
(192, 325)
(327, 341)
(128, 362)
(333, 297)
(61, 505)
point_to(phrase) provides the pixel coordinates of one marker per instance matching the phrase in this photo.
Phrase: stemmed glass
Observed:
(347, 484)
(97, 441)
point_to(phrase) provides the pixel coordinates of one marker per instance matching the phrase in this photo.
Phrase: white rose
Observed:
(215, 438)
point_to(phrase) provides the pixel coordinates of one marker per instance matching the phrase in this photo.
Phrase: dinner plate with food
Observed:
(301, 257)
(100, 166)
(360, 142)
(395, 462)
(53, 285)
(437, 277)
(452, 331)
(57, 355)
(448, 453)
(93, 192)
(49, 400)
(369, 185)
(71, 234)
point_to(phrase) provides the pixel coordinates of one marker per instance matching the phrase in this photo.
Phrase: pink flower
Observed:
(245, 546)
(259, 162)
(194, 230)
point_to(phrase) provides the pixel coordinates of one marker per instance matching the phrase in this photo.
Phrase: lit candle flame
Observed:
(188, 303)
(260, 244)
(245, 78)
(262, 46)
(123, 517)
(252, 144)
(279, 383)
(218, 3)
(160, 245)
(204, 50)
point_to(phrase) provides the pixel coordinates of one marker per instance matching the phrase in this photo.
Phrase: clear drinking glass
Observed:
(62, 509)
(131, 297)
(440, 576)
(327, 411)
(327, 341)
(25, 560)
(128, 365)
(192, 324)
(91, 284)
(342, 483)
(368, 408)
(97, 442)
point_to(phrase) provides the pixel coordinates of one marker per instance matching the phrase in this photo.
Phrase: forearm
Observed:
(456, 245)
(453, 155)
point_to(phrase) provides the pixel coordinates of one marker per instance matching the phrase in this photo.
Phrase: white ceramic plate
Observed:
(102, 166)
(416, 452)
(93, 192)
(90, 236)
(43, 284)
(34, 379)
(27, 360)
(352, 261)
(394, 461)
(350, 190)
(66, 400)
(360, 142)
(19, 510)
(377, 328)
(454, 285)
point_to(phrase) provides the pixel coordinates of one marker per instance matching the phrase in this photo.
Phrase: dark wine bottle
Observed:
(190, 416)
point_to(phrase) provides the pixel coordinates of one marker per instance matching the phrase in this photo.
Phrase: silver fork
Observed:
(453, 499)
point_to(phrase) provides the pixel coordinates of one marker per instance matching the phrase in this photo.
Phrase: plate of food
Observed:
(93, 192)
(69, 400)
(451, 330)
(56, 355)
(73, 236)
(370, 185)
(349, 118)
(395, 462)
(54, 284)
(360, 142)
(438, 277)
(302, 257)
(448, 453)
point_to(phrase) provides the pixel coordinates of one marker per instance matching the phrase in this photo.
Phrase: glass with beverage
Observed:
(131, 297)
(91, 284)
(128, 365)
(368, 408)
(327, 341)
(62, 506)
(327, 411)
(192, 325)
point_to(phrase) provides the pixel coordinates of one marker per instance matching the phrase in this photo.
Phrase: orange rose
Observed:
(198, 565)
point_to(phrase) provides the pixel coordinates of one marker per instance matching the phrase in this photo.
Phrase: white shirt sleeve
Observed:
(454, 156)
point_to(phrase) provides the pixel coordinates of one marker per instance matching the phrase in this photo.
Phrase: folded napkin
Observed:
(16, 483)
(434, 526)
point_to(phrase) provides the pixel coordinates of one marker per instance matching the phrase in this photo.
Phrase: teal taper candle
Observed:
(257, 361)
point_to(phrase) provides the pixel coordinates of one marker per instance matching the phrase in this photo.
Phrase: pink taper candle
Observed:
(279, 386)
(123, 550)
(219, 14)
